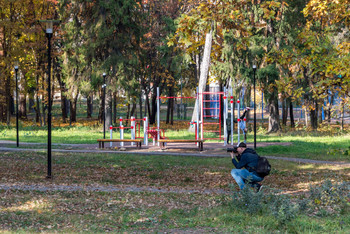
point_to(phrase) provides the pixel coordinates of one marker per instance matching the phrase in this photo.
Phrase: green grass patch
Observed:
(322, 206)
(149, 212)
(312, 145)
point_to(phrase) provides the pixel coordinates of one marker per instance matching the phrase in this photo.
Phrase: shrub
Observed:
(329, 198)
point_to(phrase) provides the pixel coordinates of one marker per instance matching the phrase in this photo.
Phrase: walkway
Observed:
(208, 152)
(99, 188)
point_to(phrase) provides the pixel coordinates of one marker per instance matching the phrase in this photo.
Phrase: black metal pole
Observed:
(104, 105)
(16, 70)
(49, 161)
(254, 69)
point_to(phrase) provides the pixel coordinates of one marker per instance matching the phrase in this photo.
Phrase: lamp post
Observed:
(104, 105)
(49, 33)
(16, 71)
(254, 70)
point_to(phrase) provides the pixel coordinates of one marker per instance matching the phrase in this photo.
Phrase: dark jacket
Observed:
(248, 159)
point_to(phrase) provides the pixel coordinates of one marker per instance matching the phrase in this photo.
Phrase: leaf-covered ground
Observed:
(156, 171)
(173, 211)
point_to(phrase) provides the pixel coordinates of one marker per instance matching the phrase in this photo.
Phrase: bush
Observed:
(323, 200)
(329, 198)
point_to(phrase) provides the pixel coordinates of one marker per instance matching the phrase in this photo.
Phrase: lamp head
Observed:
(16, 65)
(254, 66)
(49, 26)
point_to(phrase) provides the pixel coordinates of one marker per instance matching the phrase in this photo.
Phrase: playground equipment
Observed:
(133, 127)
(202, 122)
(158, 113)
(213, 119)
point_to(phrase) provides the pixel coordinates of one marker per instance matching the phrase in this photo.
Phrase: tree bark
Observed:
(329, 108)
(152, 119)
(274, 124)
(140, 103)
(31, 100)
(204, 71)
(127, 114)
(115, 103)
(170, 110)
(284, 112)
(8, 100)
(291, 113)
(37, 105)
(313, 116)
(100, 111)
(133, 109)
(73, 109)
(89, 105)
(63, 105)
(22, 108)
(108, 109)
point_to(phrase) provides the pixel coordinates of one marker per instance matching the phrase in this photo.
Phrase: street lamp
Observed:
(104, 105)
(49, 33)
(16, 71)
(254, 70)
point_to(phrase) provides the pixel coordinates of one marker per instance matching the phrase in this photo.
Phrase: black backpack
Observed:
(263, 168)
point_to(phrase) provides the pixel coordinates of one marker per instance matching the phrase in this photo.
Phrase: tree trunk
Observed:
(22, 107)
(154, 109)
(291, 114)
(284, 113)
(64, 107)
(89, 105)
(140, 103)
(115, 103)
(133, 109)
(204, 71)
(274, 124)
(148, 108)
(127, 114)
(8, 100)
(329, 108)
(313, 116)
(100, 111)
(31, 103)
(108, 109)
(170, 109)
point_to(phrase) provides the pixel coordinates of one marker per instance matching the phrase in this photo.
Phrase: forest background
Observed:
(301, 50)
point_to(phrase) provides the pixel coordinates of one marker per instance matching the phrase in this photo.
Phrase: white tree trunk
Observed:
(203, 74)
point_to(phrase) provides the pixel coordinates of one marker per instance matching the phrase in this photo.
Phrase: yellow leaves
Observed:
(328, 11)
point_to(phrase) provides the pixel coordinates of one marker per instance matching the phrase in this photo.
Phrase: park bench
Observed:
(163, 141)
(101, 142)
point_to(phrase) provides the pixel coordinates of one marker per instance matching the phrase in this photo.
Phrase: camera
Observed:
(234, 149)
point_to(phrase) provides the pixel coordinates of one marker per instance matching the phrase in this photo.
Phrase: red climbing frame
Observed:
(205, 117)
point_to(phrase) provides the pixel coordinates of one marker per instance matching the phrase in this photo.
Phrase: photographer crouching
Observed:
(246, 162)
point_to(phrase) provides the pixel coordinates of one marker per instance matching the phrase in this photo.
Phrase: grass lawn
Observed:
(310, 145)
(82, 211)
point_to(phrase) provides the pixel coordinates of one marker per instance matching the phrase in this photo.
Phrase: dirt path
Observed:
(219, 152)
(99, 188)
